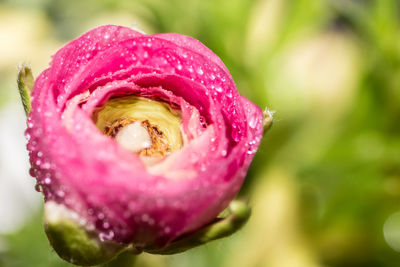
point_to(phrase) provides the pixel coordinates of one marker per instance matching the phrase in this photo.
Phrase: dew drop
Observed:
(145, 217)
(46, 165)
(100, 216)
(90, 211)
(167, 230)
(106, 236)
(236, 136)
(38, 187)
(32, 172)
(203, 167)
(253, 122)
(60, 193)
(82, 221)
(60, 99)
(151, 221)
(251, 151)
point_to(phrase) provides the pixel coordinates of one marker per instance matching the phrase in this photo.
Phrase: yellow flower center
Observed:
(144, 126)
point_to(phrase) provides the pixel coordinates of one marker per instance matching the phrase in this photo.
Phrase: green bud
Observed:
(268, 119)
(25, 86)
(73, 240)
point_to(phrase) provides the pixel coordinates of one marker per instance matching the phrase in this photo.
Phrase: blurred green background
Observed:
(325, 184)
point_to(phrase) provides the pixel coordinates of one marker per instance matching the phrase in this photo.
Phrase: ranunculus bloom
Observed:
(112, 189)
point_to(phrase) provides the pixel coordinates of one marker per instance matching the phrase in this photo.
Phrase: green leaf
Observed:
(25, 86)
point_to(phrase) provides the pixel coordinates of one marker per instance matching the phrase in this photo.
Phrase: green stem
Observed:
(124, 259)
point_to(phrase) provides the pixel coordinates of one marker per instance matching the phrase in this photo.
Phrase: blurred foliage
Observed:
(326, 177)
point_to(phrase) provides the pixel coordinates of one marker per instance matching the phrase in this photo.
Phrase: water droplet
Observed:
(82, 221)
(46, 165)
(200, 71)
(253, 122)
(203, 167)
(60, 99)
(32, 172)
(60, 193)
(38, 187)
(151, 221)
(145, 217)
(106, 236)
(251, 151)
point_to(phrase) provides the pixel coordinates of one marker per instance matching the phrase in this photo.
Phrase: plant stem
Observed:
(124, 259)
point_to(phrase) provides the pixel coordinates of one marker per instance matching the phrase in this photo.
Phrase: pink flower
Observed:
(112, 189)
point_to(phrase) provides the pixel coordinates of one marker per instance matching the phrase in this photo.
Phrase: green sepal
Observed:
(25, 86)
(238, 214)
(72, 241)
(268, 119)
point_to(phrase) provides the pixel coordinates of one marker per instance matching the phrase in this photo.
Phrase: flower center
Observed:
(147, 127)
(133, 137)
